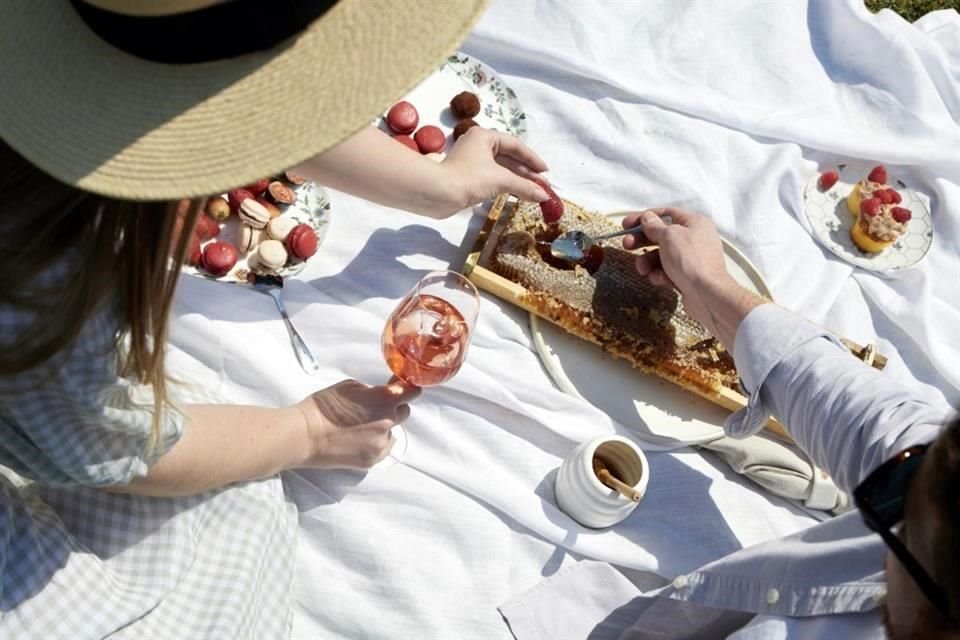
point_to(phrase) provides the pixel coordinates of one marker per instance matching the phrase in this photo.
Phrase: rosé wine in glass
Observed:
(425, 341)
(426, 337)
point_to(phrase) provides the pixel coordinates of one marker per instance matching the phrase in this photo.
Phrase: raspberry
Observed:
(207, 227)
(551, 209)
(258, 187)
(194, 255)
(901, 215)
(878, 174)
(870, 206)
(885, 196)
(828, 179)
(894, 196)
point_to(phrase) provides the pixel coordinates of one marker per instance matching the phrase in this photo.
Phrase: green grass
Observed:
(912, 9)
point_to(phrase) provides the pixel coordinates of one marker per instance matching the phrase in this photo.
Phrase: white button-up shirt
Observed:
(824, 582)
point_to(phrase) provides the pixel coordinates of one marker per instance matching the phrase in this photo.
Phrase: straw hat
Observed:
(193, 97)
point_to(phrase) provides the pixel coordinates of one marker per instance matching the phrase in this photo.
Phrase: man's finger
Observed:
(677, 216)
(631, 220)
(635, 241)
(660, 278)
(403, 412)
(653, 226)
(648, 262)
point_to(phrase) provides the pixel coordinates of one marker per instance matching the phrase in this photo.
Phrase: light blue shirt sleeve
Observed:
(847, 416)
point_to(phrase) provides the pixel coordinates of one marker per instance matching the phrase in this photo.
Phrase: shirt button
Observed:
(773, 596)
(680, 582)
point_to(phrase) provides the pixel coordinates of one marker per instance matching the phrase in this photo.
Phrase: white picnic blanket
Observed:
(722, 107)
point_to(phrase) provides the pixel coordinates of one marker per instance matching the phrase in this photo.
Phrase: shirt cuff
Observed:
(767, 336)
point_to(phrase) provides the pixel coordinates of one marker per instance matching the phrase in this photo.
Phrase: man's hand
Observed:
(689, 257)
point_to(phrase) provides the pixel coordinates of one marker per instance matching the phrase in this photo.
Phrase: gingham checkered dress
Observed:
(79, 562)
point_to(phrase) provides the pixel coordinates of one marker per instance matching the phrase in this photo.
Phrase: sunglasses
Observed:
(880, 499)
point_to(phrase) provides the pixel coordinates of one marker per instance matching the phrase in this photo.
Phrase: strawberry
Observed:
(895, 196)
(207, 227)
(828, 179)
(237, 196)
(901, 215)
(870, 206)
(552, 209)
(878, 174)
(194, 255)
(885, 196)
(258, 187)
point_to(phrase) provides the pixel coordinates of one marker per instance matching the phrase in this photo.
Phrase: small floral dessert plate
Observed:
(831, 221)
(499, 107)
(311, 207)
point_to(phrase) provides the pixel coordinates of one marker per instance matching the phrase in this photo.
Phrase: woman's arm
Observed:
(481, 165)
(344, 426)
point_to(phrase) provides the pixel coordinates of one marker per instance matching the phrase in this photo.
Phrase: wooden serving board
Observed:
(517, 294)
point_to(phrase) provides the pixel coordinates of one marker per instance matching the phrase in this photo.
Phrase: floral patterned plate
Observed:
(831, 222)
(499, 107)
(311, 207)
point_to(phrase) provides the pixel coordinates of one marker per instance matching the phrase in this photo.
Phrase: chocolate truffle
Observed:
(465, 105)
(462, 127)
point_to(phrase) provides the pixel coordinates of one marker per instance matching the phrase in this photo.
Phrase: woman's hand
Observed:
(483, 164)
(348, 424)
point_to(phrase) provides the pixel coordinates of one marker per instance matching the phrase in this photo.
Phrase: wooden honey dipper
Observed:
(607, 478)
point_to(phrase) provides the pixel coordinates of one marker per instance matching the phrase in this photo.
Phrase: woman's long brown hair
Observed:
(120, 252)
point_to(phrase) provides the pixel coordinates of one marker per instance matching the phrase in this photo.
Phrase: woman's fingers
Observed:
(507, 145)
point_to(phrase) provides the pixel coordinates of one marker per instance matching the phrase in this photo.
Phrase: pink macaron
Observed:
(407, 141)
(302, 241)
(403, 117)
(430, 139)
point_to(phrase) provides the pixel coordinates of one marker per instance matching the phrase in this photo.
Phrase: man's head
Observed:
(931, 533)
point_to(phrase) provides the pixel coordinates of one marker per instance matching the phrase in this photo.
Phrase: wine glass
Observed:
(426, 337)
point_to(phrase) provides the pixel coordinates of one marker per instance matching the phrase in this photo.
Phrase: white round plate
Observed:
(499, 107)
(655, 410)
(311, 207)
(831, 221)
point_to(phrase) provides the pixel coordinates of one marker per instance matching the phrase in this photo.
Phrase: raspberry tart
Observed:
(879, 224)
(874, 185)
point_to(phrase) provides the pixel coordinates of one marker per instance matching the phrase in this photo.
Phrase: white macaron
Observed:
(271, 255)
(279, 228)
(254, 214)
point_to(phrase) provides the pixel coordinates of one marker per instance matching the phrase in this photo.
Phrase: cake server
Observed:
(272, 285)
(574, 245)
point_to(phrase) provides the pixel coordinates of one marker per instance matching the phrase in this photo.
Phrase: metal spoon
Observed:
(574, 245)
